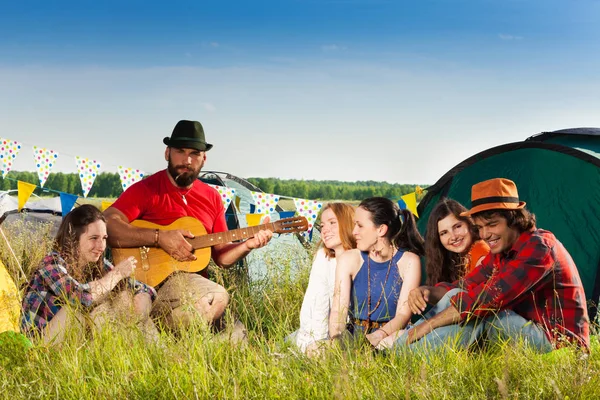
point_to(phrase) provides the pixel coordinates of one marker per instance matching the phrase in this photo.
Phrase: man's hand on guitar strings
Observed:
(174, 243)
(262, 238)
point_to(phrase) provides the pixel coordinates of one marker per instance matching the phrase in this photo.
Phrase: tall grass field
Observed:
(118, 364)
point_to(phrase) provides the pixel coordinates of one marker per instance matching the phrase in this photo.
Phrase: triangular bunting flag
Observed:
(129, 176)
(265, 202)
(8, 152)
(226, 194)
(25, 190)
(44, 160)
(88, 171)
(286, 214)
(105, 205)
(67, 201)
(411, 202)
(402, 204)
(253, 219)
(309, 209)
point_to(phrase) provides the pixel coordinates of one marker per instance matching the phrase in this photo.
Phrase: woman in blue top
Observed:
(372, 282)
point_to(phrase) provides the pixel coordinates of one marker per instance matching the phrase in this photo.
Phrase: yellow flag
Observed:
(419, 190)
(411, 202)
(25, 189)
(105, 205)
(253, 219)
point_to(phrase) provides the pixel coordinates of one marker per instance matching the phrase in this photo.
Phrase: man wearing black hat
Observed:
(165, 197)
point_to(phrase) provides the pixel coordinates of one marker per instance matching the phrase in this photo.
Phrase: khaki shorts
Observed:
(186, 298)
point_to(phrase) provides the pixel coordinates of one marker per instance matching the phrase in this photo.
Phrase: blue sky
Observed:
(341, 89)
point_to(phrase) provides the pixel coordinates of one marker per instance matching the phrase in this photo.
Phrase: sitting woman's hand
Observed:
(388, 342)
(126, 267)
(376, 336)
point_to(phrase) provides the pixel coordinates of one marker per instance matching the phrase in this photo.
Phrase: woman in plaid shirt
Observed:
(76, 273)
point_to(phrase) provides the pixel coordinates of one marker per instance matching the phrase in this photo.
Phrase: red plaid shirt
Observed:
(538, 280)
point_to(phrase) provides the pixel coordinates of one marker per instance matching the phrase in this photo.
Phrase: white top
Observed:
(314, 314)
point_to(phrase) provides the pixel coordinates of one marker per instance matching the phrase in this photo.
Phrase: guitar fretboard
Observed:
(229, 236)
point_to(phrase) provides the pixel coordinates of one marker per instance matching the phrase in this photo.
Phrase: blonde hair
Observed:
(345, 216)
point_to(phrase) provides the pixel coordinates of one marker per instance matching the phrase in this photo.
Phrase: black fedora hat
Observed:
(189, 135)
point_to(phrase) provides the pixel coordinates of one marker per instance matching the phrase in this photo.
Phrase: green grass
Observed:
(119, 364)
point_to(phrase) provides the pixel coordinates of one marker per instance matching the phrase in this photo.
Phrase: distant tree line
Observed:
(332, 190)
(108, 185)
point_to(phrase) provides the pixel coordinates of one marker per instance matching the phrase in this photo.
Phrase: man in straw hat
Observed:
(527, 288)
(164, 197)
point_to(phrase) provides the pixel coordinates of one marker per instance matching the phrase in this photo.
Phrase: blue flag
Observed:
(402, 204)
(286, 214)
(67, 201)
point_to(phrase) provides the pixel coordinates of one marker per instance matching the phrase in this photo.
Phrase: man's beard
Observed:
(185, 178)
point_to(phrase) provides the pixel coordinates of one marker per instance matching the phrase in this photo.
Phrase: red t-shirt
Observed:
(155, 199)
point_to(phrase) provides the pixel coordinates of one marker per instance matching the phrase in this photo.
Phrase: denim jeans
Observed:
(455, 335)
(507, 325)
(503, 326)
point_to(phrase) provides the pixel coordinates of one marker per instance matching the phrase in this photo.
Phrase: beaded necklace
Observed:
(387, 274)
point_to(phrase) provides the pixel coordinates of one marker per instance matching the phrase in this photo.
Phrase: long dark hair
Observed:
(402, 229)
(442, 265)
(66, 242)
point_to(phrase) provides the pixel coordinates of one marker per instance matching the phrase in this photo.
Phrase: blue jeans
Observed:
(455, 335)
(507, 325)
(503, 326)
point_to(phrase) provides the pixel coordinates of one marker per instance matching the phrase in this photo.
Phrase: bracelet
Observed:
(383, 330)
(156, 237)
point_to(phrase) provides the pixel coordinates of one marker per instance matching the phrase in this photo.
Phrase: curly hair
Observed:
(66, 242)
(520, 219)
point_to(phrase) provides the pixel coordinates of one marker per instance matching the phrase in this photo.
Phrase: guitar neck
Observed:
(229, 236)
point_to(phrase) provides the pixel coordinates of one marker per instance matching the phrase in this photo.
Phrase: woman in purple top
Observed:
(76, 273)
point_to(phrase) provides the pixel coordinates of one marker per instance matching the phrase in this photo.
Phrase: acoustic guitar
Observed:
(155, 265)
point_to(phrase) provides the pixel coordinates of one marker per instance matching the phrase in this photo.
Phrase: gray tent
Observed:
(283, 252)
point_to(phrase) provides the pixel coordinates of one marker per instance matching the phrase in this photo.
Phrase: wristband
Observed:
(156, 237)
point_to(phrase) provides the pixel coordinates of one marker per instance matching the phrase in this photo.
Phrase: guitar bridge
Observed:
(144, 258)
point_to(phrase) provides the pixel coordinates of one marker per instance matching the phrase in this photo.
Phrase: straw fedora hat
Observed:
(188, 135)
(494, 194)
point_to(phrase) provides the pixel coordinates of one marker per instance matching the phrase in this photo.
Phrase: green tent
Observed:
(558, 175)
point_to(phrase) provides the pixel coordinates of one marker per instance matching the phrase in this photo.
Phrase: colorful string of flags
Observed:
(45, 159)
(88, 170)
(264, 204)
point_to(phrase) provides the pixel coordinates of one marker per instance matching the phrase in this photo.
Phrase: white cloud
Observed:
(505, 36)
